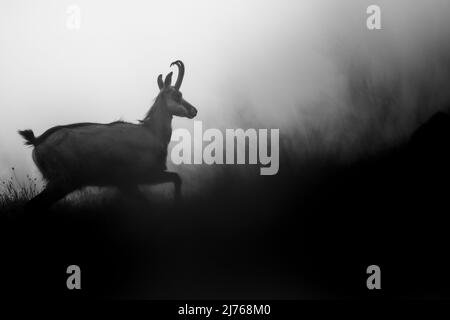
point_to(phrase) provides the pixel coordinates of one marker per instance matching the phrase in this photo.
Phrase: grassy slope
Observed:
(289, 236)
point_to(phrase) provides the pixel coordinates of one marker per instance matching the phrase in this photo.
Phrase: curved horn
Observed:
(168, 80)
(180, 77)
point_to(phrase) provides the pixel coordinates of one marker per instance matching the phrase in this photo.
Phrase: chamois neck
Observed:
(159, 122)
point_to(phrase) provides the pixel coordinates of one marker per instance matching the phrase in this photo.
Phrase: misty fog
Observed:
(310, 68)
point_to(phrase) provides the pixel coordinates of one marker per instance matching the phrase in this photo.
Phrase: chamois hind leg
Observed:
(173, 177)
(133, 192)
(50, 195)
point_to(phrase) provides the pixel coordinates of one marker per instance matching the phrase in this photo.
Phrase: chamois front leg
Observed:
(173, 177)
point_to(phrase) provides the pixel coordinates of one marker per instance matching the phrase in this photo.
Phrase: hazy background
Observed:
(310, 68)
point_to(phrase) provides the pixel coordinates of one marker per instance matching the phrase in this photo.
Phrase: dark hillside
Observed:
(276, 239)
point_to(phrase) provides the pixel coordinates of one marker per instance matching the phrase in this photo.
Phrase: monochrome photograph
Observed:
(224, 156)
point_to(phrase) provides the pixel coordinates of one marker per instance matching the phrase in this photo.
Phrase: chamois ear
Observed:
(168, 80)
(160, 82)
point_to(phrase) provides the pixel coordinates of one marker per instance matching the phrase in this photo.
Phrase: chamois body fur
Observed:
(99, 154)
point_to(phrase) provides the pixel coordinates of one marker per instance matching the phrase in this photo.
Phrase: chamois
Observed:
(115, 154)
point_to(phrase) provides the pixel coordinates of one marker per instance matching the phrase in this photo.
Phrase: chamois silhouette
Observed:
(119, 153)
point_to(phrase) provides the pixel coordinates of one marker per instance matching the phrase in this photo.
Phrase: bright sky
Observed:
(253, 61)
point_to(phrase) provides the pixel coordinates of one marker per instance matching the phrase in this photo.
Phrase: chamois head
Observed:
(171, 96)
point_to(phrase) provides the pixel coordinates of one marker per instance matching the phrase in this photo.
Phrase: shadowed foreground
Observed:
(282, 237)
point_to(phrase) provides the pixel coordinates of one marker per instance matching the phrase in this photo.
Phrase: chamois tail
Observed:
(28, 135)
